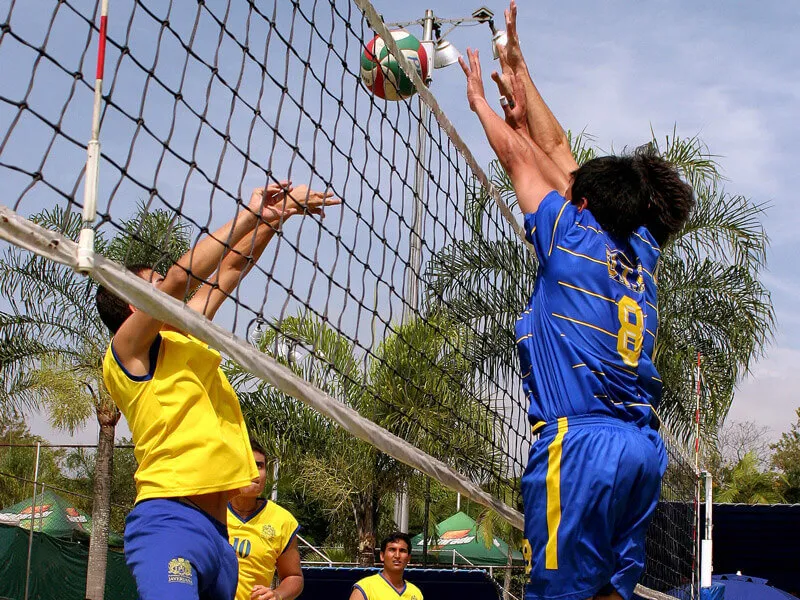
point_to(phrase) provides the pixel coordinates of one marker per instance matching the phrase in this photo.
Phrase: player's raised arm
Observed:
(532, 172)
(275, 206)
(135, 336)
(543, 126)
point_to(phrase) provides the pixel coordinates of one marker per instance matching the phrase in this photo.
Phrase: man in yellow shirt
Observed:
(264, 537)
(389, 584)
(190, 439)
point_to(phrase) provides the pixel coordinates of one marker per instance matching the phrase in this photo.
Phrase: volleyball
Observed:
(381, 73)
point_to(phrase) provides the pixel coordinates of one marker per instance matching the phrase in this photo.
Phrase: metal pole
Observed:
(274, 494)
(706, 556)
(411, 299)
(33, 521)
(696, 580)
(425, 521)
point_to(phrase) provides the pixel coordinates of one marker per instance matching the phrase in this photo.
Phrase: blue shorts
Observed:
(590, 489)
(179, 552)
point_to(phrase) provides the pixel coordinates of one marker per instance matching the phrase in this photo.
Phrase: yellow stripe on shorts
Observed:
(553, 484)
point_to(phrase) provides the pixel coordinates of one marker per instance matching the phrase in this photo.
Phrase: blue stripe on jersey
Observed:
(586, 337)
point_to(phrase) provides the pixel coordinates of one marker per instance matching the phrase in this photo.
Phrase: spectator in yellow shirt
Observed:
(389, 584)
(264, 537)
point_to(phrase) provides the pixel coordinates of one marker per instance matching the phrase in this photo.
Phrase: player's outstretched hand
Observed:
(281, 201)
(307, 201)
(515, 108)
(475, 91)
(503, 78)
(263, 200)
(513, 52)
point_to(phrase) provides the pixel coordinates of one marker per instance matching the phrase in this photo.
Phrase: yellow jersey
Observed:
(188, 431)
(259, 540)
(376, 587)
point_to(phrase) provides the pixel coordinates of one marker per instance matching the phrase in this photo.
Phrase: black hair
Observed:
(113, 309)
(256, 447)
(626, 192)
(396, 536)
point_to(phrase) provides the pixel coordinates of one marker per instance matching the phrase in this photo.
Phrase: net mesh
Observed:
(386, 304)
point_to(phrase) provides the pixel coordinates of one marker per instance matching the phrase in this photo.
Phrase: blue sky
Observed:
(727, 72)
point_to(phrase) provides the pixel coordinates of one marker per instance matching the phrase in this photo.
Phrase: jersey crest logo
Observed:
(621, 271)
(414, 597)
(180, 571)
(268, 532)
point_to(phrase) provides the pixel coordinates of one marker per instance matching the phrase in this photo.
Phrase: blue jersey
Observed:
(586, 338)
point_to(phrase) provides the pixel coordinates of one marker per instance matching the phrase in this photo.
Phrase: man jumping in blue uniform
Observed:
(585, 339)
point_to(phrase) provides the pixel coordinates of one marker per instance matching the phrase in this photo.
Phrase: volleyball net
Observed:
(392, 316)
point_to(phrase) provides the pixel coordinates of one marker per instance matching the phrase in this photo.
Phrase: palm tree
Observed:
(711, 298)
(53, 341)
(745, 483)
(413, 385)
(18, 463)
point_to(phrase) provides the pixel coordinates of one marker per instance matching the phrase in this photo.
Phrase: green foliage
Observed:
(412, 386)
(18, 463)
(52, 340)
(157, 239)
(52, 328)
(746, 483)
(786, 459)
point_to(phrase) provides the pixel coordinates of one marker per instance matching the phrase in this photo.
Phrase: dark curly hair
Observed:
(113, 309)
(626, 192)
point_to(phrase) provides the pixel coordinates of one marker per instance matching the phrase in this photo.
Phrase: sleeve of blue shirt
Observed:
(549, 224)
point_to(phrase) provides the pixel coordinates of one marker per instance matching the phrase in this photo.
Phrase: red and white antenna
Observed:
(86, 239)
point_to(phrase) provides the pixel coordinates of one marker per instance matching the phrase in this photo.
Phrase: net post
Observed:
(706, 555)
(86, 239)
(33, 522)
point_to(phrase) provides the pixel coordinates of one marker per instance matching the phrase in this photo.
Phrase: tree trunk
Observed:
(507, 576)
(366, 536)
(101, 505)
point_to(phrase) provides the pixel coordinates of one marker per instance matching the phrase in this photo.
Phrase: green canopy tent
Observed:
(55, 516)
(59, 553)
(457, 543)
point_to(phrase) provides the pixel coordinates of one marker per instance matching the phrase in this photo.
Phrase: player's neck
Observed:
(246, 506)
(396, 579)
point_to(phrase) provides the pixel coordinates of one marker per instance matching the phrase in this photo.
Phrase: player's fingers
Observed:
(506, 106)
(475, 63)
(464, 66)
(502, 85)
(279, 185)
